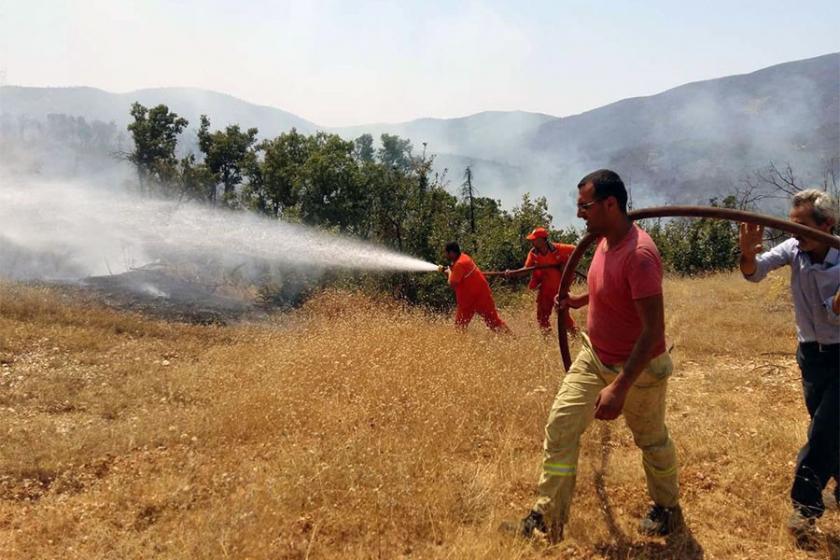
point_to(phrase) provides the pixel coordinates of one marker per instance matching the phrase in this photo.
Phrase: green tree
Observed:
(226, 154)
(398, 189)
(363, 148)
(395, 153)
(468, 194)
(155, 133)
(281, 172)
(197, 182)
(330, 193)
(693, 246)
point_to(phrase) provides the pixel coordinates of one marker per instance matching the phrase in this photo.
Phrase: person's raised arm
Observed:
(755, 266)
(750, 237)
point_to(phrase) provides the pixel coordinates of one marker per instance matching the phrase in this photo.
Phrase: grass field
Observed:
(357, 428)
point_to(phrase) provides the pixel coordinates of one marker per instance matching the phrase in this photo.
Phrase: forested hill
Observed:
(687, 144)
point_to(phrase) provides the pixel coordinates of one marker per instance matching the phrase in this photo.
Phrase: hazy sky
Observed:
(339, 63)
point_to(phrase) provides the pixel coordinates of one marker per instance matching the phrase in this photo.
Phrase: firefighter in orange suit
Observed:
(550, 258)
(472, 292)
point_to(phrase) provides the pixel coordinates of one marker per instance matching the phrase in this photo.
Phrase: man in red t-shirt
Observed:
(472, 292)
(622, 367)
(549, 258)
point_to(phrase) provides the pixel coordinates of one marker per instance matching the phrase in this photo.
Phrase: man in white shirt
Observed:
(815, 287)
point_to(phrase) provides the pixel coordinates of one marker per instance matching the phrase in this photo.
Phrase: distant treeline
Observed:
(383, 192)
(58, 145)
(69, 131)
(380, 190)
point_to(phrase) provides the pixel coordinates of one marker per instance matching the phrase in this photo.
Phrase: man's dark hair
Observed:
(607, 183)
(453, 247)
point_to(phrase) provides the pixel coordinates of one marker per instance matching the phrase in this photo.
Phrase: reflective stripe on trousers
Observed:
(572, 412)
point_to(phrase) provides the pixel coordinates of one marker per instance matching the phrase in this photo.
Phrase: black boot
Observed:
(661, 521)
(804, 530)
(534, 521)
(533, 526)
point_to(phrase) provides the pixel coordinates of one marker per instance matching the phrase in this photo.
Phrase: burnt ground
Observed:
(156, 293)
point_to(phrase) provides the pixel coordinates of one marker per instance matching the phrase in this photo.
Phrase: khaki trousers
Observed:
(573, 411)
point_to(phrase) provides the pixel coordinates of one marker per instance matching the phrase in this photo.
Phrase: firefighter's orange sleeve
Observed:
(536, 275)
(566, 250)
(457, 272)
(530, 260)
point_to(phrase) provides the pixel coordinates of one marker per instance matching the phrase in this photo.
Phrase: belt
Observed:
(821, 347)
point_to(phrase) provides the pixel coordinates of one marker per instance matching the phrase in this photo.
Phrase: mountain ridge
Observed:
(684, 144)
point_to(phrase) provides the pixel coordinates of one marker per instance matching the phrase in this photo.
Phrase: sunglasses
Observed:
(586, 205)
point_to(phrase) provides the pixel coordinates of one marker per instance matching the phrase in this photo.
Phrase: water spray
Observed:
(99, 231)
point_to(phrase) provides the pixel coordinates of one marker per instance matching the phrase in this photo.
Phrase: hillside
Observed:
(687, 144)
(492, 135)
(689, 141)
(355, 428)
(96, 104)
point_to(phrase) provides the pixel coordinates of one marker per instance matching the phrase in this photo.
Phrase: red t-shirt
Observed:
(628, 271)
(548, 279)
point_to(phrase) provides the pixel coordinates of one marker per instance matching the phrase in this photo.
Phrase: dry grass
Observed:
(357, 429)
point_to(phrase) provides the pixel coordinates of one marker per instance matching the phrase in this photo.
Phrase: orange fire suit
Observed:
(473, 295)
(547, 280)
